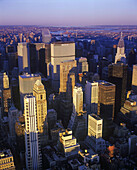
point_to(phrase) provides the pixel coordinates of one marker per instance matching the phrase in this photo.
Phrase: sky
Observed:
(68, 12)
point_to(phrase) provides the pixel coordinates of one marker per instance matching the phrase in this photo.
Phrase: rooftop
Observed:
(5, 153)
(29, 75)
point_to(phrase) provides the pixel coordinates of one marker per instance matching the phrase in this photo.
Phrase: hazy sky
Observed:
(68, 12)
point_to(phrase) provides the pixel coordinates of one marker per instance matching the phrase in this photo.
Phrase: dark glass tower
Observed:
(118, 75)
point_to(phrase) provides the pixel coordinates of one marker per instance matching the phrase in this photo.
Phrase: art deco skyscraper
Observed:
(33, 154)
(120, 55)
(41, 105)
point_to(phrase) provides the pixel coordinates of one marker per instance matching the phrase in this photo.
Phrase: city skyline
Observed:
(68, 13)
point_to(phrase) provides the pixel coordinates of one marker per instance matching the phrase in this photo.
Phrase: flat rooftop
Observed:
(95, 116)
(29, 75)
(5, 153)
(62, 42)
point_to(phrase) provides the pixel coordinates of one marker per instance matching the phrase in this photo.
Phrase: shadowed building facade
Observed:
(118, 75)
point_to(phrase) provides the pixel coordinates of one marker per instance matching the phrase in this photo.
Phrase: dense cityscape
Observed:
(68, 97)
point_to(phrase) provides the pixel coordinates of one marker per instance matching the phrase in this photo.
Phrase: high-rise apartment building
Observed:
(26, 84)
(77, 99)
(41, 105)
(117, 74)
(23, 57)
(134, 79)
(60, 51)
(120, 55)
(33, 154)
(65, 68)
(91, 96)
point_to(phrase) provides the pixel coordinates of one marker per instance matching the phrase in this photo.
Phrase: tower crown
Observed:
(121, 41)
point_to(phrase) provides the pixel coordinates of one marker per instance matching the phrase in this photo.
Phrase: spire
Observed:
(121, 41)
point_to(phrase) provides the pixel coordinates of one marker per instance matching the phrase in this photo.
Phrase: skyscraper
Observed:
(46, 37)
(82, 65)
(6, 93)
(60, 51)
(65, 68)
(41, 105)
(117, 74)
(134, 79)
(77, 99)
(33, 154)
(106, 106)
(106, 100)
(120, 55)
(26, 84)
(95, 128)
(23, 57)
(91, 96)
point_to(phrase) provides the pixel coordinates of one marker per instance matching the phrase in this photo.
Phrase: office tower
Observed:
(6, 160)
(106, 99)
(26, 84)
(132, 142)
(52, 118)
(47, 53)
(12, 58)
(68, 144)
(42, 63)
(95, 128)
(82, 65)
(65, 68)
(91, 96)
(128, 114)
(70, 85)
(106, 106)
(117, 74)
(33, 58)
(65, 111)
(60, 51)
(5, 81)
(1, 105)
(78, 125)
(33, 154)
(6, 93)
(13, 114)
(132, 57)
(103, 63)
(77, 99)
(46, 37)
(23, 57)
(41, 105)
(120, 55)
(134, 79)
